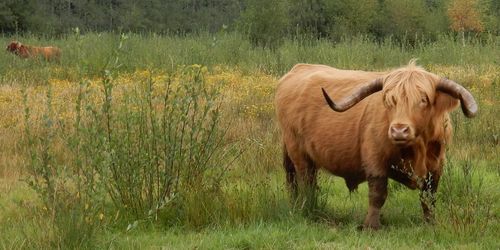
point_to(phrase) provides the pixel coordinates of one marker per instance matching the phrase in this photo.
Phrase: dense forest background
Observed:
(265, 22)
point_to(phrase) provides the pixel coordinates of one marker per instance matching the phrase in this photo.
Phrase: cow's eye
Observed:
(424, 102)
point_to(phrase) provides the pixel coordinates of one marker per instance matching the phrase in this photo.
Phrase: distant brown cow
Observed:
(25, 51)
(391, 124)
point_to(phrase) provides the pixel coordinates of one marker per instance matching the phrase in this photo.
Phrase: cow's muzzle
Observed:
(401, 134)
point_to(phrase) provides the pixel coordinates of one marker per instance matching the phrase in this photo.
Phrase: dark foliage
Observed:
(265, 22)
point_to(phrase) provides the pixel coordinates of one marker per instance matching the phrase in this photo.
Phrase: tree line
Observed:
(265, 22)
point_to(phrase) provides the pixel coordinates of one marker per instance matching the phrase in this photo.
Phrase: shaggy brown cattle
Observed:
(391, 124)
(25, 51)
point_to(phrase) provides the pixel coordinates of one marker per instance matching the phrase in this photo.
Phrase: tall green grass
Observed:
(232, 49)
(152, 159)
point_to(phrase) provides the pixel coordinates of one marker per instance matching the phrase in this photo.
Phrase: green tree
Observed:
(16, 15)
(133, 17)
(308, 17)
(402, 19)
(93, 14)
(265, 22)
(490, 11)
(8, 19)
(348, 18)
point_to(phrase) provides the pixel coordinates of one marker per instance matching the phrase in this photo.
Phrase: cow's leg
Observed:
(291, 175)
(308, 173)
(420, 168)
(434, 162)
(308, 184)
(302, 179)
(428, 196)
(377, 193)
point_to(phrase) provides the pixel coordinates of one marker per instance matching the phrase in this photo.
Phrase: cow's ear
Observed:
(444, 102)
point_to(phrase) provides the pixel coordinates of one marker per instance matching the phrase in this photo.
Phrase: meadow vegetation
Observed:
(170, 141)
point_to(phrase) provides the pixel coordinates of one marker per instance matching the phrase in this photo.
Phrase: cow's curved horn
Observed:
(469, 105)
(368, 89)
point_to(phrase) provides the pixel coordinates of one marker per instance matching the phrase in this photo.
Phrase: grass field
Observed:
(171, 142)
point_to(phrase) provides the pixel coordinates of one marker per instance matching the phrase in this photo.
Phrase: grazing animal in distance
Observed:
(392, 124)
(25, 51)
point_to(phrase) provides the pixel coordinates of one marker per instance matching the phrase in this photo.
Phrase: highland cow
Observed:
(392, 124)
(25, 51)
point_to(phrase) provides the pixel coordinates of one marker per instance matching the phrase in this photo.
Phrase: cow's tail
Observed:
(291, 177)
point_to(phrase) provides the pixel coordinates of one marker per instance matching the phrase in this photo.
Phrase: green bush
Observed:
(265, 22)
(129, 149)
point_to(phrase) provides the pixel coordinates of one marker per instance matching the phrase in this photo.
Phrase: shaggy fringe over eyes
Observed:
(408, 85)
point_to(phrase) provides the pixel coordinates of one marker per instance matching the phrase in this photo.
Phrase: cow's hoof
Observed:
(365, 227)
(430, 219)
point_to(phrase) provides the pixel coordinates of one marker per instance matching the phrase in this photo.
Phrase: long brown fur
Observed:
(25, 51)
(355, 144)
